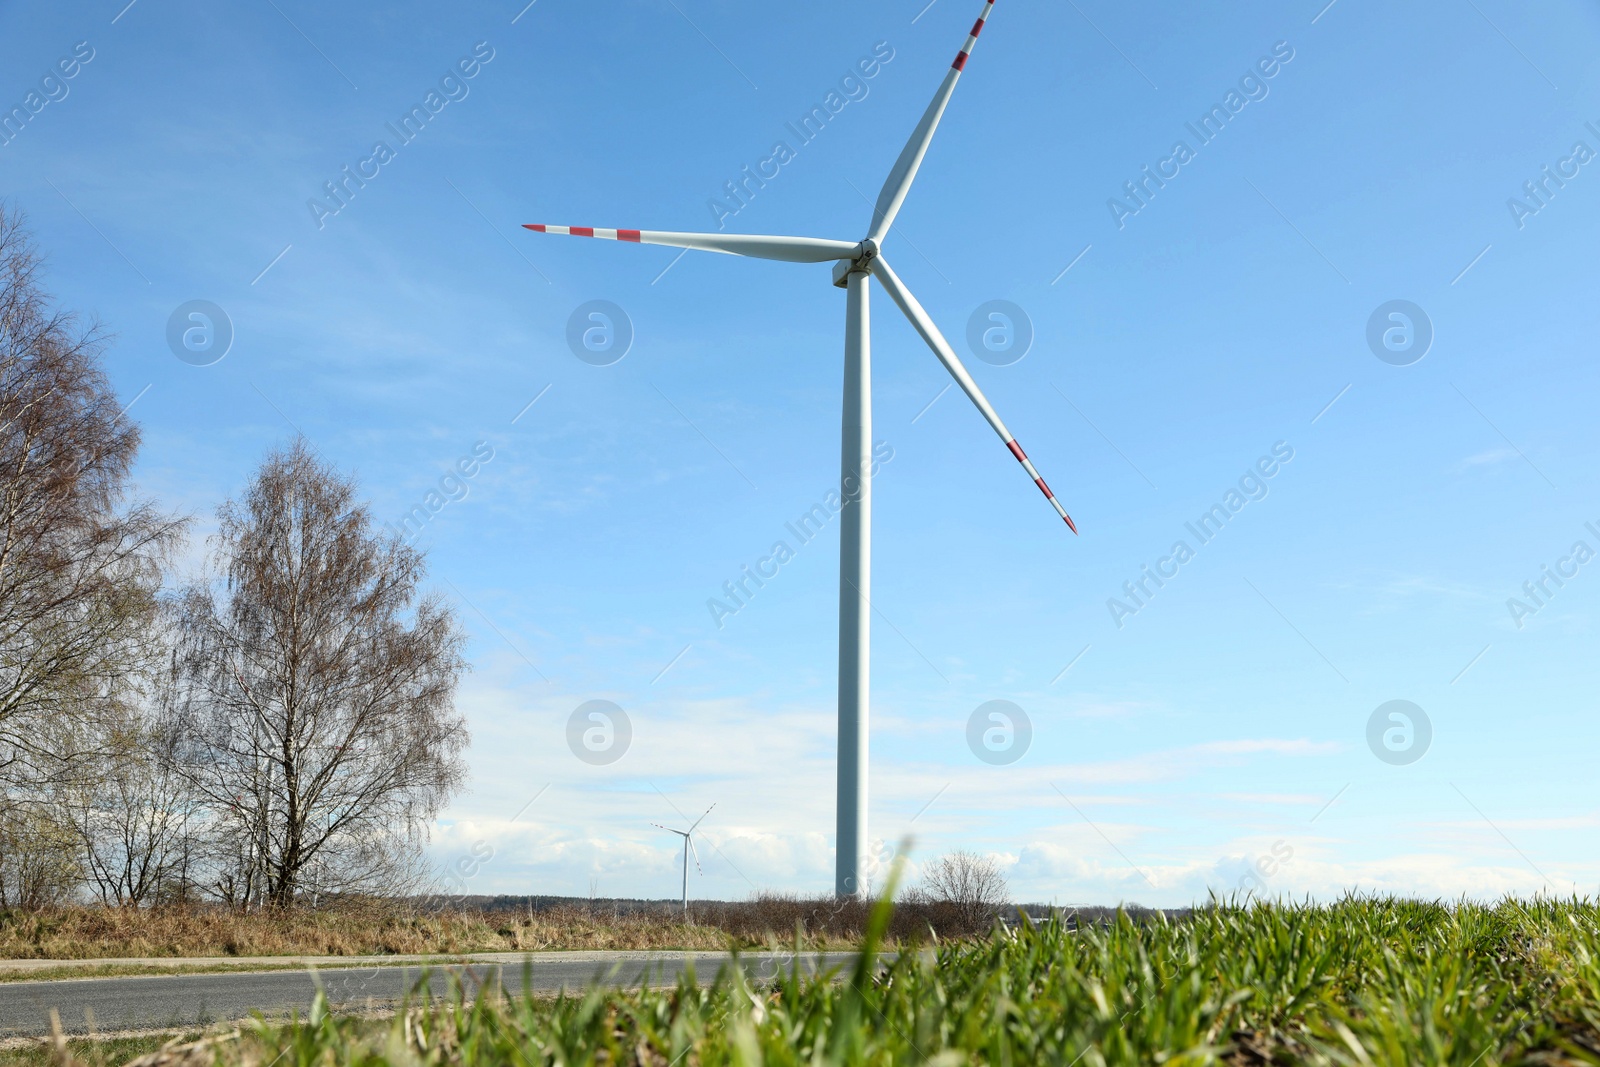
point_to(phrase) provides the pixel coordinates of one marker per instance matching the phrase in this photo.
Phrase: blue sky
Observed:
(1222, 723)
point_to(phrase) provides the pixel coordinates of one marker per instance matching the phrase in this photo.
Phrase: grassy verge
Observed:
(102, 1052)
(1366, 981)
(374, 928)
(378, 929)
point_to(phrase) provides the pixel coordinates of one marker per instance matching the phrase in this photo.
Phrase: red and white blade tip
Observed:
(972, 38)
(584, 231)
(1027, 465)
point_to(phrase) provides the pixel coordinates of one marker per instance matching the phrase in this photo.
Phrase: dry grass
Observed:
(386, 928)
(106, 933)
(111, 933)
(84, 1052)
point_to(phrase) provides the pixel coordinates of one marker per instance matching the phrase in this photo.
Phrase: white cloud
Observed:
(1489, 458)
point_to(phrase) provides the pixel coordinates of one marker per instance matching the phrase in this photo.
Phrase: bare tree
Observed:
(80, 567)
(973, 884)
(39, 856)
(318, 688)
(136, 811)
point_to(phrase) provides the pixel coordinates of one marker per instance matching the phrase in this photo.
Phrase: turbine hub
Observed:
(866, 252)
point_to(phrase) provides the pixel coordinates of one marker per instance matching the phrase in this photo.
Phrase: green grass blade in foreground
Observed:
(1366, 980)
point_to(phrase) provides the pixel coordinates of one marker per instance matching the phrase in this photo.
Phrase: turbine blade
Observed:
(703, 815)
(698, 869)
(941, 348)
(669, 829)
(905, 168)
(788, 249)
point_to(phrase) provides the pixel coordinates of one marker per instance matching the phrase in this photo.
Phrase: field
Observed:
(1365, 981)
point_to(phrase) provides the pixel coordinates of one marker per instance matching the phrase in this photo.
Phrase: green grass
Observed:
(1364, 981)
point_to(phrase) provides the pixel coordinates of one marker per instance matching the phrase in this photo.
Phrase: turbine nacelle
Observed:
(866, 252)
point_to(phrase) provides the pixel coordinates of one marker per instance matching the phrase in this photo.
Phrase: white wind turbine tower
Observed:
(856, 262)
(688, 850)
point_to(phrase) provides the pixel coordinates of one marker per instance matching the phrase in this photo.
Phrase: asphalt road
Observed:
(155, 1002)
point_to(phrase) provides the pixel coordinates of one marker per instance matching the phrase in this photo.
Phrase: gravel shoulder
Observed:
(41, 969)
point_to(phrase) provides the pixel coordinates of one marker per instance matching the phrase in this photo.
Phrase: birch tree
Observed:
(318, 685)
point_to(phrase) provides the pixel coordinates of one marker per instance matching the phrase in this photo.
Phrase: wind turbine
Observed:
(688, 850)
(856, 262)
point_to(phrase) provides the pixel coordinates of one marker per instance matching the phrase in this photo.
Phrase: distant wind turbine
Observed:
(855, 264)
(688, 850)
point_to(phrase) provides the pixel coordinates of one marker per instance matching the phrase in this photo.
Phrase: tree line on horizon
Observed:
(274, 726)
